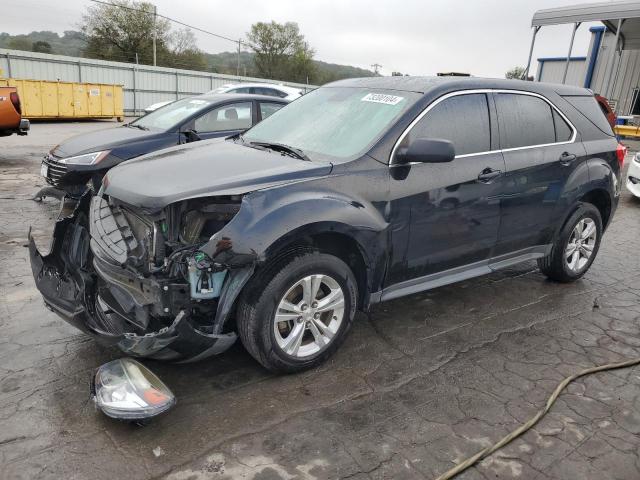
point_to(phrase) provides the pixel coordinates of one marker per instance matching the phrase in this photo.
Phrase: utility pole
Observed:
(155, 33)
(376, 67)
(238, 68)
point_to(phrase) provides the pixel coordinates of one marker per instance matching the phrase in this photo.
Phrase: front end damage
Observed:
(141, 280)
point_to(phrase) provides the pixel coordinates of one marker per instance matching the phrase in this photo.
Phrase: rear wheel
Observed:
(295, 315)
(576, 247)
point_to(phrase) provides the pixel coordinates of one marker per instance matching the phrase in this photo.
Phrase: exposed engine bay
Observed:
(139, 279)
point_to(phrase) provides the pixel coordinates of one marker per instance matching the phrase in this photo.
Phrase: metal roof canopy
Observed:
(621, 18)
(606, 12)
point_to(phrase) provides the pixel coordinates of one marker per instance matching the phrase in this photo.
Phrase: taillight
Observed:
(15, 99)
(621, 151)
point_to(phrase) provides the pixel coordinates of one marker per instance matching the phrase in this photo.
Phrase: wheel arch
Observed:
(331, 238)
(601, 199)
(270, 222)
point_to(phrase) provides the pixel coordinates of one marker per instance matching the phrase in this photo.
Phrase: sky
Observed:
(417, 37)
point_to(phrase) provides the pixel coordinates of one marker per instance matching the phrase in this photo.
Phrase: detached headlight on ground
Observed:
(86, 159)
(127, 390)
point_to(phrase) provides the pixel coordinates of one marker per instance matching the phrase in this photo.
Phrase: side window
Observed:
(265, 91)
(236, 116)
(462, 119)
(588, 106)
(563, 130)
(524, 120)
(267, 109)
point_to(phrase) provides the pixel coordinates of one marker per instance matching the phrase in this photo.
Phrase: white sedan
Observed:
(269, 89)
(633, 176)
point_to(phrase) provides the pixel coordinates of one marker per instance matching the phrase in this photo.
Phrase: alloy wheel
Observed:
(309, 315)
(581, 244)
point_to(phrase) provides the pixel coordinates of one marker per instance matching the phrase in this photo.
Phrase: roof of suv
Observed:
(425, 84)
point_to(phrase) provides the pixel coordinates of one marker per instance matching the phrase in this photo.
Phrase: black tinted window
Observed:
(563, 130)
(463, 120)
(588, 106)
(524, 120)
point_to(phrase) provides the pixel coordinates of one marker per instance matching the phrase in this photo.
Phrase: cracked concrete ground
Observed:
(418, 385)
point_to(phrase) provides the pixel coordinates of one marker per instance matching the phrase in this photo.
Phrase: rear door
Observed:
(267, 109)
(452, 209)
(541, 150)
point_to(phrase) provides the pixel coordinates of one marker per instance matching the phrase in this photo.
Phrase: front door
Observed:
(446, 216)
(225, 120)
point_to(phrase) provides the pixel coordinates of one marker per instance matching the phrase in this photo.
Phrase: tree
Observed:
(41, 47)
(20, 43)
(281, 52)
(517, 73)
(124, 28)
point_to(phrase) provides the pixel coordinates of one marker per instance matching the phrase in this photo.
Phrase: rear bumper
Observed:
(69, 285)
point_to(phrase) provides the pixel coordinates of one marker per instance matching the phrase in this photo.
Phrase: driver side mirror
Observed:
(426, 150)
(191, 135)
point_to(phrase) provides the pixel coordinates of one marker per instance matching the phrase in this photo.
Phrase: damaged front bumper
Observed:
(72, 287)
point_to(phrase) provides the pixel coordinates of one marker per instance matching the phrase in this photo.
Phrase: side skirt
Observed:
(458, 274)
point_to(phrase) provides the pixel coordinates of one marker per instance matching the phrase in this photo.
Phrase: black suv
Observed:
(362, 191)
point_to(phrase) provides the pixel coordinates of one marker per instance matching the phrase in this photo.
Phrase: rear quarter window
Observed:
(588, 106)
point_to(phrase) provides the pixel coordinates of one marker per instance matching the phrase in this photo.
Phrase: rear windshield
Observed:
(589, 107)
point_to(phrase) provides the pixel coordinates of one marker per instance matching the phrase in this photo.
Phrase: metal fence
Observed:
(142, 84)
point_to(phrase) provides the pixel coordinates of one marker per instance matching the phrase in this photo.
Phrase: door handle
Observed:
(566, 158)
(488, 174)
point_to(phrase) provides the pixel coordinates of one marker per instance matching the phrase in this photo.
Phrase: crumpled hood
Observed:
(201, 169)
(101, 140)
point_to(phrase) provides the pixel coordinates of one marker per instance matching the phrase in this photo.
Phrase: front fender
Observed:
(270, 218)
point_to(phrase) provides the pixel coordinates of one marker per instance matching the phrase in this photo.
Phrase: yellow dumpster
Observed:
(49, 100)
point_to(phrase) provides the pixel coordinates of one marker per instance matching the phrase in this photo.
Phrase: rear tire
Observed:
(576, 246)
(287, 327)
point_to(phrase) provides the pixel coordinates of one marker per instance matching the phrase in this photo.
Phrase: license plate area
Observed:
(44, 169)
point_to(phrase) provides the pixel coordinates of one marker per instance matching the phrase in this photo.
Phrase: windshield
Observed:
(172, 114)
(335, 123)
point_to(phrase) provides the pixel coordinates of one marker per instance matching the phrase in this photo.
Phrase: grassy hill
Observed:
(226, 62)
(73, 43)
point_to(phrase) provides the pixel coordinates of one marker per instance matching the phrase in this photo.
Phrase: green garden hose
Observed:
(533, 420)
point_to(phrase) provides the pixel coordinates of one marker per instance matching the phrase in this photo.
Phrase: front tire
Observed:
(295, 314)
(576, 246)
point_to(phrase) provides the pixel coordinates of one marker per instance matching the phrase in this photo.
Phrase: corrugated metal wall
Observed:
(552, 71)
(625, 78)
(142, 84)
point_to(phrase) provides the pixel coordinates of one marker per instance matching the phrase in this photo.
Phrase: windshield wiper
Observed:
(284, 149)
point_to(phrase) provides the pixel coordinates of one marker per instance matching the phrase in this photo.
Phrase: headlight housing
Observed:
(127, 390)
(636, 158)
(86, 159)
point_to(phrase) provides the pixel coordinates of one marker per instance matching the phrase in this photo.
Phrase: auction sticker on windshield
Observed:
(382, 98)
